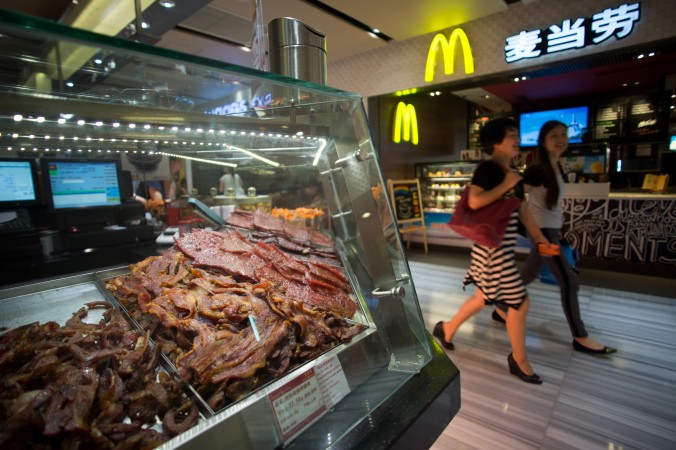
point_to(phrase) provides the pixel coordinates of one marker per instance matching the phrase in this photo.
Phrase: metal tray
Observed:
(248, 423)
(57, 301)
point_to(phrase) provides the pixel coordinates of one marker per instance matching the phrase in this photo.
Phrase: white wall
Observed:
(401, 65)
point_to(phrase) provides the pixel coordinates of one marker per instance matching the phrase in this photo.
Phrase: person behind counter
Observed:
(544, 183)
(493, 269)
(149, 191)
(230, 179)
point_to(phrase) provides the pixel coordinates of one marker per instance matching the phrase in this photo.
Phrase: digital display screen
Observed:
(82, 184)
(17, 182)
(672, 142)
(575, 118)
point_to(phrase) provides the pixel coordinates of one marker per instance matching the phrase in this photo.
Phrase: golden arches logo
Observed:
(406, 120)
(448, 51)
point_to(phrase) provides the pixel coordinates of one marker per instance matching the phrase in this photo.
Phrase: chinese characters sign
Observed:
(303, 400)
(571, 34)
(297, 404)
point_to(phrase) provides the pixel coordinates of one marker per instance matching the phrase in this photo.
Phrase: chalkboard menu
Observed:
(405, 195)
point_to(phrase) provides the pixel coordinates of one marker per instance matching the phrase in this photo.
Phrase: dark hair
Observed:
(550, 181)
(494, 132)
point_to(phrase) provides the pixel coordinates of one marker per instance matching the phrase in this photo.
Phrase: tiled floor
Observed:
(624, 401)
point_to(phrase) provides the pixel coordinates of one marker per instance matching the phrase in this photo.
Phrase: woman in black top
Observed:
(493, 269)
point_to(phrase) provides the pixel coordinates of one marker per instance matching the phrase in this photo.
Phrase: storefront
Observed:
(606, 68)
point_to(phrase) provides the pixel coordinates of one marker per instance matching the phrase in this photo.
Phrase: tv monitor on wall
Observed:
(576, 118)
(18, 186)
(81, 183)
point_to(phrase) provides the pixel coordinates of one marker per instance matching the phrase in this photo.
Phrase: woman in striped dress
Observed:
(493, 270)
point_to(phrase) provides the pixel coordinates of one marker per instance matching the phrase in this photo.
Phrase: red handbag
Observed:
(485, 226)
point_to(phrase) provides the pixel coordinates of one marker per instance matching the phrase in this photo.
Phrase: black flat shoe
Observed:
(602, 351)
(514, 369)
(438, 332)
(497, 317)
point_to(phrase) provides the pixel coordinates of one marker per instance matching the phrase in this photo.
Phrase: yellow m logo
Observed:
(405, 119)
(448, 50)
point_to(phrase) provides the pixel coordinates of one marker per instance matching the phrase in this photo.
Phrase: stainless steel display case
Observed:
(68, 92)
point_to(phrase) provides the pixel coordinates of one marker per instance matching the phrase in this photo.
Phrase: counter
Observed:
(413, 412)
(629, 227)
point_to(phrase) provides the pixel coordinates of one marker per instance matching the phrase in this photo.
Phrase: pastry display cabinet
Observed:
(70, 94)
(442, 184)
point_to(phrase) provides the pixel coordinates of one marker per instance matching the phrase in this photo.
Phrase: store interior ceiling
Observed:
(220, 29)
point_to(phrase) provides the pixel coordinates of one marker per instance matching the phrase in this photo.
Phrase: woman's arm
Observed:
(479, 197)
(155, 194)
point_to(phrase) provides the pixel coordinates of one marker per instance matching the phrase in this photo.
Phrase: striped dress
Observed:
(493, 270)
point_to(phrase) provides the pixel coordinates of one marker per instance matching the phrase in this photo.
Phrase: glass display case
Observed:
(442, 184)
(319, 274)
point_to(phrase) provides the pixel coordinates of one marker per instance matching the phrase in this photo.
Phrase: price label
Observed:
(332, 380)
(297, 404)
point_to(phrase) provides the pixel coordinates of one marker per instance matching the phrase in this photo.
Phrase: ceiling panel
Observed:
(404, 19)
(207, 33)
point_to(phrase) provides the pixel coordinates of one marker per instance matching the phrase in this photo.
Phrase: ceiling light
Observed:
(18, 117)
(640, 56)
(168, 3)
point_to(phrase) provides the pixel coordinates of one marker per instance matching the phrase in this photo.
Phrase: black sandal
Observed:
(601, 351)
(438, 332)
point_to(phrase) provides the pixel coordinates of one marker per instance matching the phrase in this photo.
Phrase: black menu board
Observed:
(645, 122)
(608, 120)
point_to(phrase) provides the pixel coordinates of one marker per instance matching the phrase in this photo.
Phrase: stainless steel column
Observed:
(297, 50)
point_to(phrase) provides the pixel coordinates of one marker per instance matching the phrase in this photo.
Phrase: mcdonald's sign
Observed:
(448, 51)
(406, 123)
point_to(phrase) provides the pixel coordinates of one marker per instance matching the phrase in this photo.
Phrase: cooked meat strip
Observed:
(246, 313)
(84, 385)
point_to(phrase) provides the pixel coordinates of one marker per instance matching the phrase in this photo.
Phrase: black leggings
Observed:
(566, 277)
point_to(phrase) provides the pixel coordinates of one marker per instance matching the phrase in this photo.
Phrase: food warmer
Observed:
(71, 93)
